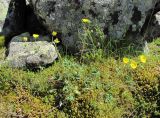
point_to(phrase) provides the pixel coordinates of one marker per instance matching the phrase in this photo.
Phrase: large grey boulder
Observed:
(119, 19)
(31, 54)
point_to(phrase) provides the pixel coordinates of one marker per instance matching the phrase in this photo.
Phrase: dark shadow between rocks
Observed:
(15, 20)
(21, 18)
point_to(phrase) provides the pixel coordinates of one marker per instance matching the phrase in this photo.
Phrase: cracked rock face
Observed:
(118, 18)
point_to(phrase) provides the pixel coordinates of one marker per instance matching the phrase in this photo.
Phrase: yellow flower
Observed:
(25, 39)
(2, 40)
(54, 33)
(143, 58)
(86, 20)
(133, 64)
(35, 36)
(125, 60)
(56, 41)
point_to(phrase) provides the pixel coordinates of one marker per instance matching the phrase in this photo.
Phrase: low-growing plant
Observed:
(104, 87)
(95, 44)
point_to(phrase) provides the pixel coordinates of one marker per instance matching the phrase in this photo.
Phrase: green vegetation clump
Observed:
(2, 41)
(102, 83)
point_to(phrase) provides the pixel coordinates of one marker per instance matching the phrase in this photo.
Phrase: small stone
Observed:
(32, 55)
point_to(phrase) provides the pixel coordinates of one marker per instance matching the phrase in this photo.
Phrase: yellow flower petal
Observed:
(54, 33)
(133, 65)
(143, 58)
(125, 60)
(56, 41)
(25, 39)
(35, 36)
(86, 20)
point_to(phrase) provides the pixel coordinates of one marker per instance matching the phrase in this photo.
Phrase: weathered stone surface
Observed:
(119, 19)
(4, 4)
(31, 54)
(19, 38)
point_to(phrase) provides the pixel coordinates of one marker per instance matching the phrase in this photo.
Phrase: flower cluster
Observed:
(36, 36)
(54, 33)
(133, 63)
(56, 40)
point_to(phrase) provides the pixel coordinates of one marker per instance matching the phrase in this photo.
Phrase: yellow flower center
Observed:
(125, 60)
(35, 36)
(133, 64)
(86, 20)
(143, 59)
(54, 33)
